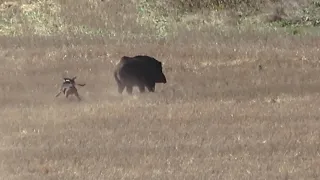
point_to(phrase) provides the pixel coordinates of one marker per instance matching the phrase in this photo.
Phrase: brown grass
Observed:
(218, 117)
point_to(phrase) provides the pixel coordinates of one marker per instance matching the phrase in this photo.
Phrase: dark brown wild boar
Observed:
(142, 71)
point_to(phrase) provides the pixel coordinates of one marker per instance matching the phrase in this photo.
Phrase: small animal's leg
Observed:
(129, 89)
(67, 93)
(77, 95)
(59, 93)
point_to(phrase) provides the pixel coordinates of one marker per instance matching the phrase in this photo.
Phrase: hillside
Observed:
(157, 19)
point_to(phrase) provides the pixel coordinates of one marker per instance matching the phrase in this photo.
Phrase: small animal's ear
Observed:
(66, 79)
(74, 78)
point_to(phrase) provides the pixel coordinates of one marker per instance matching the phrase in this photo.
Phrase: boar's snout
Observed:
(163, 78)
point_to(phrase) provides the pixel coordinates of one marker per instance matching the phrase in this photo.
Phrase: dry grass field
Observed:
(220, 116)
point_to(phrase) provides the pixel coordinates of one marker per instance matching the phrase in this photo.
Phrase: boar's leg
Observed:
(120, 88)
(151, 86)
(141, 88)
(129, 89)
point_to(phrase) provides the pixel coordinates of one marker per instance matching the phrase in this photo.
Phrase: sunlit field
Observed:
(241, 102)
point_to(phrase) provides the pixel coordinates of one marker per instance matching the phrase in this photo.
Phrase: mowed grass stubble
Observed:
(219, 116)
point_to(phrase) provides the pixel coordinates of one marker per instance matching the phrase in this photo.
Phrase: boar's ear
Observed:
(123, 58)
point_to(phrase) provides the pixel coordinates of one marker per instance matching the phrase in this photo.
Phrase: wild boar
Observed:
(141, 71)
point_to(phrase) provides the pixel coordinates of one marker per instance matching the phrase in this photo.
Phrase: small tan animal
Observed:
(68, 87)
